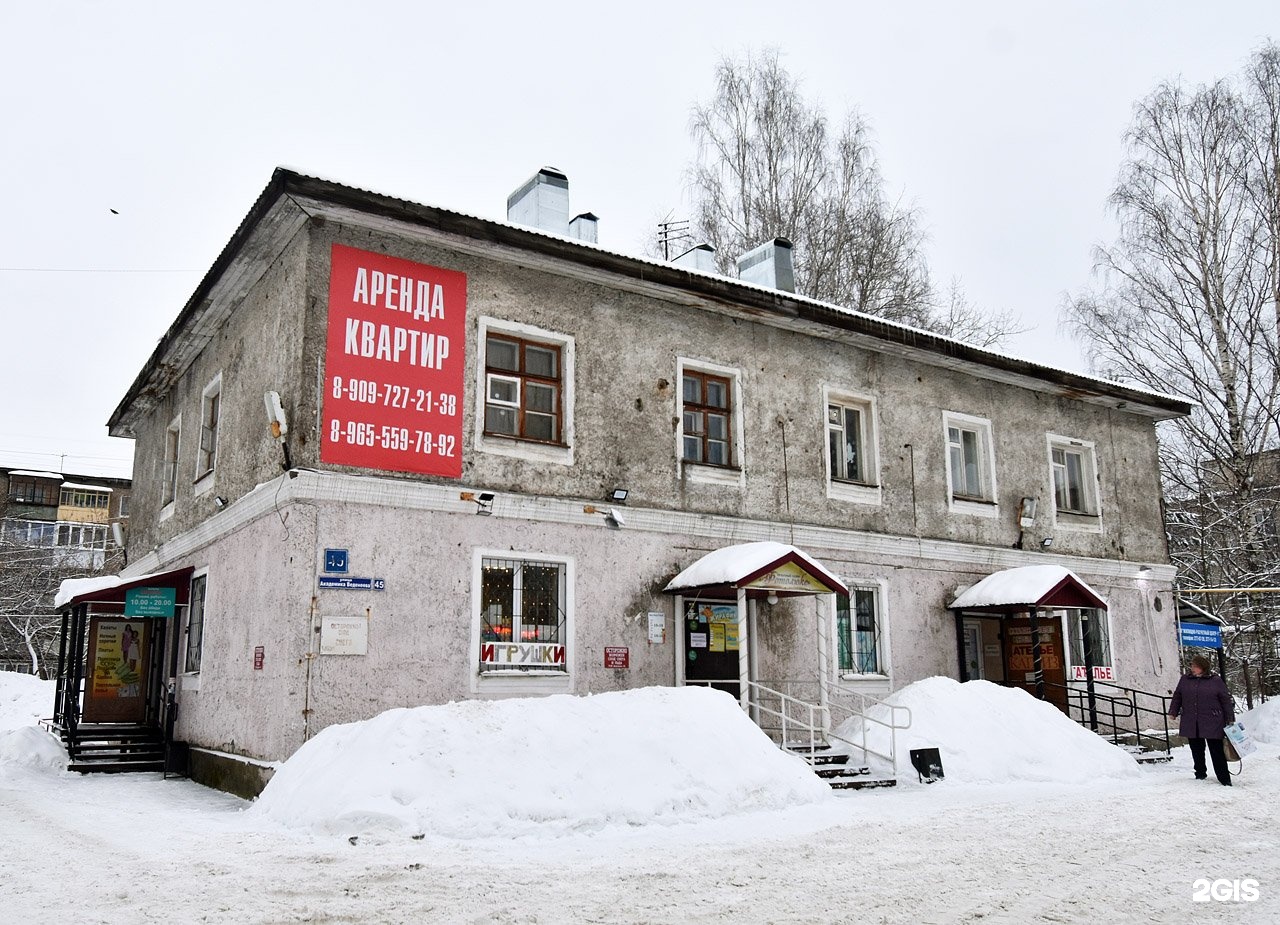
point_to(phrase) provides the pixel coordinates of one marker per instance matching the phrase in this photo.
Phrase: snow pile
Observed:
(992, 734)
(1263, 722)
(31, 748)
(539, 766)
(24, 699)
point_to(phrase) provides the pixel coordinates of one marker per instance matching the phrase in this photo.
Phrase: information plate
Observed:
(617, 657)
(1201, 635)
(150, 602)
(349, 583)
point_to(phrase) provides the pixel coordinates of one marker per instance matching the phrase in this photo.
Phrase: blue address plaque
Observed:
(348, 583)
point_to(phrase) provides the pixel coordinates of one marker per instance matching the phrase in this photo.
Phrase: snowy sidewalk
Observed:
(139, 849)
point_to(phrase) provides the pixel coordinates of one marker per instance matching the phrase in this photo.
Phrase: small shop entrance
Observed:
(984, 649)
(118, 679)
(1019, 657)
(711, 645)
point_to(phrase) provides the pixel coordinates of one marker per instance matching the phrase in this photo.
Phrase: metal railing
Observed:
(790, 715)
(1120, 712)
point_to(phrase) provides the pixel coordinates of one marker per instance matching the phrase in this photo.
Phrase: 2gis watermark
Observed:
(1225, 891)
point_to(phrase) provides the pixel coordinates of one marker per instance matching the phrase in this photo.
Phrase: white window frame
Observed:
(204, 479)
(868, 492)
(505, 683)
(865, 683)
(514, 446)
(175, 427)
(1090, 520)
(191, 678)
(988, 506)
(705, 473)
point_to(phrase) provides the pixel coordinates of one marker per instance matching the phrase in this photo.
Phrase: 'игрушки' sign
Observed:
(394, 364)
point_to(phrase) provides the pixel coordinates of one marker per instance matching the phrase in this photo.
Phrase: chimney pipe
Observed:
(585, 227)
(699, 257)
(769, 265)
(542, 202)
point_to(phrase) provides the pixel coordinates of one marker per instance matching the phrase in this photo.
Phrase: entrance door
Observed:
(711, 644)
(115, 690)
(983, 658)
(1020, 659)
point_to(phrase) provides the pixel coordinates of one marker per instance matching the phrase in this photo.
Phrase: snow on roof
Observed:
(72, 588)
(1025, 585)
(731, 564)
(31, 473)
(86, 487)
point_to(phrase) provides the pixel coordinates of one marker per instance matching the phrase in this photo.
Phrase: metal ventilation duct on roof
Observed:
(700, 257)
(584, 227)
(542, 201)
(769, 265)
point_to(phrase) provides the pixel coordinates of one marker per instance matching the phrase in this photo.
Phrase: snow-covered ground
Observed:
(1115, 849)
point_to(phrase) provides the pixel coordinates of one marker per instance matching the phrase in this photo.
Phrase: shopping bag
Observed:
(1238, 738)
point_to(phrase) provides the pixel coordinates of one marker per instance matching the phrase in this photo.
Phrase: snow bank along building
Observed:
(390, 454)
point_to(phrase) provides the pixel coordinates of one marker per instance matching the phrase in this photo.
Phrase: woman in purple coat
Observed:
(1206, 707)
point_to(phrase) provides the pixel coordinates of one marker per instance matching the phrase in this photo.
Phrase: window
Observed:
(29, 532)
(82, 536)
(169, 478)
(1099, 644)
(858, 632)
(970, 464)
(122, 508)
(210, 413)
(86, 498)
(522, 389)
(26, 490)
(847, 443)
(195, 623)
(706, 419)
(523, 615)
(524, 392)
(1073, 474)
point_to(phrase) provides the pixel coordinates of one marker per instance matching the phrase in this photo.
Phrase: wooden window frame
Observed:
(523, 378)
(702, 408)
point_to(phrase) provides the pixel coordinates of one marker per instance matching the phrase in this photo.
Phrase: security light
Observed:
(614, 519)
(1047, 542)
(619, 495)
(482, 501)
(219, 502)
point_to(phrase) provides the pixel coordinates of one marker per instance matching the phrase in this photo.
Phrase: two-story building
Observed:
(390, 454)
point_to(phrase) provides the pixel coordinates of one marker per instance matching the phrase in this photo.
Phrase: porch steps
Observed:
(114, 749)
(834, 768)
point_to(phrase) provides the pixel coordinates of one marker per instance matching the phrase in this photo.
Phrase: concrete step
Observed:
(116, 766)
(864, 783)
(833, 772)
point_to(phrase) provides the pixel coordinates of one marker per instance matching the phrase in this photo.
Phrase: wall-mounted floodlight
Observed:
(219, 502)
(483, 501)
(619, 495)
(1047, 542)
(613, 517)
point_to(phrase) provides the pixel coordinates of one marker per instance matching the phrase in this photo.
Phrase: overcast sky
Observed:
(1002, 122)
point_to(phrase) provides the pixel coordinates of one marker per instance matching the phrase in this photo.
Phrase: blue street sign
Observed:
(335, 560)
(353, 584)
(1201, 635)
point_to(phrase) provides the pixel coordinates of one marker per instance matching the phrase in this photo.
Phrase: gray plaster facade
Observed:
(628, 328)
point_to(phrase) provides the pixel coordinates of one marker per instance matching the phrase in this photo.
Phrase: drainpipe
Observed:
(823, 662)
(744, 655)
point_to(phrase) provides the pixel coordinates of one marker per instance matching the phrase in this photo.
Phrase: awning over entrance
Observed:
(1018, 590)
(110, 589)
(760, 569)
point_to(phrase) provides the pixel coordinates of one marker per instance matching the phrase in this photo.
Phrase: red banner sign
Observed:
(617, 657)
(393, 384)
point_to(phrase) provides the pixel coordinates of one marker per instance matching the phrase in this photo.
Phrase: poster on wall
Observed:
(118, 660)
(393, 383)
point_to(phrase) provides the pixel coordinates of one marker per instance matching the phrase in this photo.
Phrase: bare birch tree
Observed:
(1188, 304)
(769, 164)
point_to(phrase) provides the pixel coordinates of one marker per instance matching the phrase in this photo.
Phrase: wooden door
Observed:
(1019, 658)
(119, 667)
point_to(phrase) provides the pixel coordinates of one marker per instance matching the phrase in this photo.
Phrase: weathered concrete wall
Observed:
(258, 349)
(421, 640)
(627, 406)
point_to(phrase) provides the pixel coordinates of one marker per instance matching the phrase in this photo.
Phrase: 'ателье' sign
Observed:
(394, 364)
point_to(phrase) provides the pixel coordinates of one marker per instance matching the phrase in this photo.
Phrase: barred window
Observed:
(858, 632)
(522, 615)
(195, 623)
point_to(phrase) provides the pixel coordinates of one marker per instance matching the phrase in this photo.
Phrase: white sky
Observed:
(1001, 121)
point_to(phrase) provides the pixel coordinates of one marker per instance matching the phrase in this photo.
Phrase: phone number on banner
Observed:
(389, 395)
(357, 433)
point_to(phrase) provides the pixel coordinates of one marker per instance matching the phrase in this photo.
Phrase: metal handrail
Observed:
(813, 727)
(863, 713)
(1117, 708)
